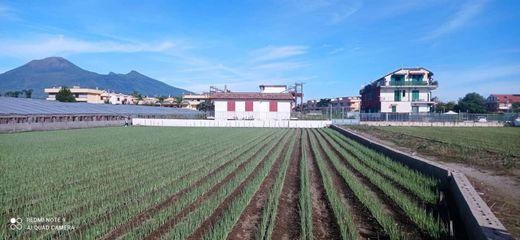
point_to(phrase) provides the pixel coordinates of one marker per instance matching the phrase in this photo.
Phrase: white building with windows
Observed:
(272, 103)
(406, 90)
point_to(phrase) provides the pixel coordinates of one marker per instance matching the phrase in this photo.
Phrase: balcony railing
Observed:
(412, 83)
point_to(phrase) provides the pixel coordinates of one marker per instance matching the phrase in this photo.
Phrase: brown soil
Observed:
(148, 213)
(324, 223)
(221, 209)
(367, 225)
(391, 207)
(287, 223)
(248, 223)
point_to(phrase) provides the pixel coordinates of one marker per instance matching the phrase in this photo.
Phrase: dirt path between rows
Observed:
(150, 212)
(391, 207)
(324, 223)
(367, 225)
(287, 224)
(249, 221)
(219, 212)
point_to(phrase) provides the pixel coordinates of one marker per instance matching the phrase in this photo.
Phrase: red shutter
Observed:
(273, 106)
(230, 106)
(249, 106)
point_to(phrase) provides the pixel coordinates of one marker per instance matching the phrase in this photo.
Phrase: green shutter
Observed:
(415, 95)
(397, 95)
(394, 109)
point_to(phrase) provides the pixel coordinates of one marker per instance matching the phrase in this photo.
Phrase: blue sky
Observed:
(334, 47)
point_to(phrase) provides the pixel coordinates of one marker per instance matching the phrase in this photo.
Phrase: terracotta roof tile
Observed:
(504, 98)
(253, 96)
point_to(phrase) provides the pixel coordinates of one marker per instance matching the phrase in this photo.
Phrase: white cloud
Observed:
(466, 13)
(61, 45)
(275, 53)
(280, 66)
(334, 11)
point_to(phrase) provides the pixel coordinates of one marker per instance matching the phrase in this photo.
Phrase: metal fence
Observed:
(437, 117)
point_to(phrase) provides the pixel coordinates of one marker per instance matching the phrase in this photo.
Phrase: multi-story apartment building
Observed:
(406, 90)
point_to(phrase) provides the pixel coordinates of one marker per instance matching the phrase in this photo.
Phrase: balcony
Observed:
(408, 83)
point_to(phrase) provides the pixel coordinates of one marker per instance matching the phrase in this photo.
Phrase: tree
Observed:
(205, 106)
(324, 102)
(516, 107)
(65, 95)
(445, 107)
(13, 94)
(472, 103)
(178, 99)
(137, 96)
(161, 99)
(27, 93)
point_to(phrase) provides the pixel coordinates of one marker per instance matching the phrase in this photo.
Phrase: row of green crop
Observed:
(230, 162)
(268, 218)
(195, 218)
(391, 165)
(91, 176)
(162, 174)
(420, 216)
(145, 199)
(223, 227)
(344, 218)
(147, 172)
(305, 201)
(44, 149)
(423, 191)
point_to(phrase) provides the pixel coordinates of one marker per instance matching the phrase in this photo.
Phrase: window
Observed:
(397, 78)
(230, 106)
(394, 108)
(415, 95)
(397, 95)
(415, 109)
(416, 78)
(249, 106)
(273, 106)
(404, 92)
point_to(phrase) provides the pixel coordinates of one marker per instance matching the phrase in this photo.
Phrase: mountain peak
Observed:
(51, 63)
(134, 73)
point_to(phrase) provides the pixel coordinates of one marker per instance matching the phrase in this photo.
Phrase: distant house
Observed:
(89, 95)
(81, 94)
(501, 102)
(406, 90)
(347, 104)
(192, 101)
(271, 103)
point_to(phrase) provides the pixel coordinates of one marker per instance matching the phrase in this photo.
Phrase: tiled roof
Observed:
(252, 96)
(504, 98)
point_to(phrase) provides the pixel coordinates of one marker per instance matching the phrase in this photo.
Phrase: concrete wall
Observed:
(433, 124)
(231, 123)
(44, 126)
(478, 219)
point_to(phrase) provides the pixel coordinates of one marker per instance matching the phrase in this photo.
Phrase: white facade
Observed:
(260, 111)
(407, 90)
(273, 88)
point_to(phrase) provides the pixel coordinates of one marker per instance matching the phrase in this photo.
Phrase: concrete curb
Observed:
(478, 219)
